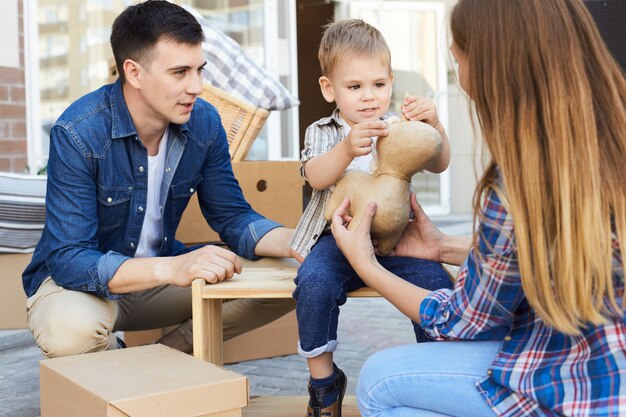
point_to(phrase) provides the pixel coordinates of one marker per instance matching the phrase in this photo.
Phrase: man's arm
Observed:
(211, 263)
(275, 243)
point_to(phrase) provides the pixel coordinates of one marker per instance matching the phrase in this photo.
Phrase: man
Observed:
(124, 161)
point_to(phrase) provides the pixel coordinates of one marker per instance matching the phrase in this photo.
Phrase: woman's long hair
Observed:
(551, 104)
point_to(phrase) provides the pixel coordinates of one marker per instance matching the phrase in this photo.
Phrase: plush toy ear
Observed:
(327, 89)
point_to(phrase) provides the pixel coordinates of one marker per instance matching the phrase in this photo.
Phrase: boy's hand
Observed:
(421, 109)
(359, 141)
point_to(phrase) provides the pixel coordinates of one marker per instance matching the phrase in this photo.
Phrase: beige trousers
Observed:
(66, 322)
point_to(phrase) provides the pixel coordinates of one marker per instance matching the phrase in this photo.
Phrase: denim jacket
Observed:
(97, 192)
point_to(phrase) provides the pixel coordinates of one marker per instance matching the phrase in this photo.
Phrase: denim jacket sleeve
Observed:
(74, 260)
(223, 204)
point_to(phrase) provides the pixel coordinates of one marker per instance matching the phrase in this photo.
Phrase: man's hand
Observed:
(211, 263)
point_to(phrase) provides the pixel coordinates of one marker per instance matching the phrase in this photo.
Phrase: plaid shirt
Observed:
(319, 138)
(538, 371)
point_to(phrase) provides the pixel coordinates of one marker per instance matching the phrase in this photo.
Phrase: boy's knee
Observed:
(312, 283)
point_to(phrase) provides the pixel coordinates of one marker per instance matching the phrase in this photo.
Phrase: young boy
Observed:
(356, 75)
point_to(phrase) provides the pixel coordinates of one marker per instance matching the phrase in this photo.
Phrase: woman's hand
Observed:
(356, 244)
(421, 238)
(357, 247)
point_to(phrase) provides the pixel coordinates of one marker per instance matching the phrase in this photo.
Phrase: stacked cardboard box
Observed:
(146, 381)
(273, 188)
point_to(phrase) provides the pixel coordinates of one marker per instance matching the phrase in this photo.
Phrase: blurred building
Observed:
(63, 48)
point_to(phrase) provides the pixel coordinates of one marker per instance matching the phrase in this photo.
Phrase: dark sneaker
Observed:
(120, 343)
(316, 395)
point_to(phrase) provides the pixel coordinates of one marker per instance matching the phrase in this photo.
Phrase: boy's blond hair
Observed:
(350, 38)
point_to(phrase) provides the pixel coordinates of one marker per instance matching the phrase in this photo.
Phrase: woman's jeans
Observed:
(326, 276)
(426, 379)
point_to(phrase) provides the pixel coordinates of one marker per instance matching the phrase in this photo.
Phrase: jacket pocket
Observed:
(181, 193)
(113, 205)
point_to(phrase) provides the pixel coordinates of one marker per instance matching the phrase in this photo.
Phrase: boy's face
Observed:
(361, 88)
(170, 82)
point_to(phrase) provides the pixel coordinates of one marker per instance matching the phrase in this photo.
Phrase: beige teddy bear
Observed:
(409, 147)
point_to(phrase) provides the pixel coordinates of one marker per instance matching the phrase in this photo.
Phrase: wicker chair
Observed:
(241, 120)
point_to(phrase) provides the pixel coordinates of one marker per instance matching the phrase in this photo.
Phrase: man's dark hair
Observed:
(139, 28)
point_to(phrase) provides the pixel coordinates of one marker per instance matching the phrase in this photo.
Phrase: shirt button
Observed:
(109, 200)
(165, 238)
(132, 245)
(191, 190)
(168, 169)
(140, 209)
(489, 372)
(140, 169)
(507, 338)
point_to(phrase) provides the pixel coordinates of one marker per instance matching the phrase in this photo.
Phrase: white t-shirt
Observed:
(152, 230)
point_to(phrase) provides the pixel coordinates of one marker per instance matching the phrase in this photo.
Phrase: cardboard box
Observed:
(273, 188)
(12, 295)
(146, 381)
(277, 338)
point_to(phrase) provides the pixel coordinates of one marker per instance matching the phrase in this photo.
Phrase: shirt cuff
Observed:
(108, 265)
(251, 236)
(434, 311)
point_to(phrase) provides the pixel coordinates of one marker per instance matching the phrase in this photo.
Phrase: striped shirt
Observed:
(319, 138)
(537, 371)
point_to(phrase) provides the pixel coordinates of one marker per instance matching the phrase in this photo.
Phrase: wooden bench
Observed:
(271, 279)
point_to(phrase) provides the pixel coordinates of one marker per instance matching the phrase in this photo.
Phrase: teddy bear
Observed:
(409, 147)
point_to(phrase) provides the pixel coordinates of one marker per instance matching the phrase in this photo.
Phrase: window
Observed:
(68, 54)
(414, 31)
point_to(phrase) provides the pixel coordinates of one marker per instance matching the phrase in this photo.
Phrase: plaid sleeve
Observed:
(488, 289)
(317, 142)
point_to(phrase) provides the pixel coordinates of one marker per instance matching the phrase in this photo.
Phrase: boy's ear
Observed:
(327, 89)
(132, 72)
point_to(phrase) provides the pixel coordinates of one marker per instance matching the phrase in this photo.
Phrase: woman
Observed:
(537, 313)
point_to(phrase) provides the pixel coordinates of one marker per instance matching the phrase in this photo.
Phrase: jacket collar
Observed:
(122, 125)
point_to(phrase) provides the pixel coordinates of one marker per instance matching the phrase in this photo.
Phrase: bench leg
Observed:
(215, 332)
(200, 318)
(207, 326)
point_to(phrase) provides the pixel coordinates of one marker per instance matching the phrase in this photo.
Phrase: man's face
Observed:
(361, 88)
(171, 81)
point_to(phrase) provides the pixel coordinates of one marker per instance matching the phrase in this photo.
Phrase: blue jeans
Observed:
(426, 380)
(326, 276)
